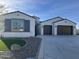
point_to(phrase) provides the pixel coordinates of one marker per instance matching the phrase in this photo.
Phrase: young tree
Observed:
(3, 9)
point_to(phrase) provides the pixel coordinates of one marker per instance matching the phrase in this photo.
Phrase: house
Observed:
(57, 26)
(17, 24)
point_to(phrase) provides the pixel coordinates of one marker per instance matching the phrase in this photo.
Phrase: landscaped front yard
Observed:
(5, 43)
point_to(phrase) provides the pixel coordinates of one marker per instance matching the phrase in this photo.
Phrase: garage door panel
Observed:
(47, 30)
(65, 30)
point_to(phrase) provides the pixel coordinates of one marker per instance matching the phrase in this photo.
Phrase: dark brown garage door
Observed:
(65, 30)
(47, 30)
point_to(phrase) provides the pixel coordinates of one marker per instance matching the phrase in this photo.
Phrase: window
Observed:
(17, 25)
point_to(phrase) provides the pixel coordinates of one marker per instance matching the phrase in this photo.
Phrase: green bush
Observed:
(5, 44)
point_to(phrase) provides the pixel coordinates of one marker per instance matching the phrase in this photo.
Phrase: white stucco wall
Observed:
(66, 23)
(17, 34)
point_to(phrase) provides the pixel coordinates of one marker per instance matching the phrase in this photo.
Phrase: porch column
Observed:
(55, 30)
(52, 29)
(74, 30)
(42, 30)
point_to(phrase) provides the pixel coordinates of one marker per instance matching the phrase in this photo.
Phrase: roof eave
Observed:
(19, 12)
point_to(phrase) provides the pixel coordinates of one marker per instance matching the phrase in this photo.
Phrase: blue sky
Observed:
(46, 9)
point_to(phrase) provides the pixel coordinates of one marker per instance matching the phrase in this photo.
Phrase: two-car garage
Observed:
(58, 27)
(61, 30)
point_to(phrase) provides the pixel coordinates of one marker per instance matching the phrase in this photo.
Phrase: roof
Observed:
(57, 20)
(63, 20)
(19, 12)
(51, 19)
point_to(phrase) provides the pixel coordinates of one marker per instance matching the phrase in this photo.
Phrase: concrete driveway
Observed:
(59, 47)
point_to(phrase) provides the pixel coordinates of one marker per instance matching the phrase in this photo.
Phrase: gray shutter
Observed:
(26, 25)
(7, 25)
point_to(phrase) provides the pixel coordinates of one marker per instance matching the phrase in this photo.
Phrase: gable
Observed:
(17, 14)
(51, 21)
(65, 22)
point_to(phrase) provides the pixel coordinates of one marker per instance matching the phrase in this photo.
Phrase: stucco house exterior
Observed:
(17, 24)
(57, 26)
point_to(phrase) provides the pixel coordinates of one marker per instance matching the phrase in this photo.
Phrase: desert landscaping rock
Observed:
(15, 47)
(30, 50)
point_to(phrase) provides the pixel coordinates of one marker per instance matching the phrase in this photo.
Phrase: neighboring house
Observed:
(57, 26)
(17, 24)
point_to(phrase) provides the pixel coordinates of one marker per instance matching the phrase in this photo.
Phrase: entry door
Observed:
(65, 30)
(47, 30)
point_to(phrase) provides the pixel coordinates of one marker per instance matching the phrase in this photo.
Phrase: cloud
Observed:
(45, 9)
